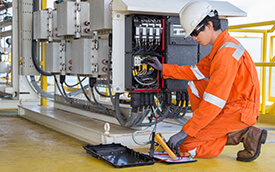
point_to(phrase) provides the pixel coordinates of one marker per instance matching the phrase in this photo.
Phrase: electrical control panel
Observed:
(145, 37)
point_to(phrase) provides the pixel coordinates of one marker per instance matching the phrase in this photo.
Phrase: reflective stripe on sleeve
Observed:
(197, 72)
(193, 88)
(214, 100)
(238, 52)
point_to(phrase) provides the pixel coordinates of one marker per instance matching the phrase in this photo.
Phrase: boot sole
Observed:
(262, 141)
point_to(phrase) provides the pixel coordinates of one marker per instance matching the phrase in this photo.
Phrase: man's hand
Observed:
(154, 62)
(176, 140)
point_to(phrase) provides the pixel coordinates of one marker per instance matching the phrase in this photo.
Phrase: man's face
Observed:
(203, 35)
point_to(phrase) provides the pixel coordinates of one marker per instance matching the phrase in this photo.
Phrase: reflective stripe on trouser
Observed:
(196, 90)
(211, 139)
(193, 153)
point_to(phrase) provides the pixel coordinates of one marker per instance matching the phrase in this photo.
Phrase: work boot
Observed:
(236, 137)
(252, 139)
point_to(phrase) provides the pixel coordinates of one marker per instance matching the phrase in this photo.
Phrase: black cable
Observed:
(46, 95)
(138, 118)
(109, 111)
(74, 84)
(39, 91)
(119, 117)
(103, 95)
(79, 105)
(61, 92)
(97, 101)
(87, 97)
(137, 123)
(186, 105)
(32, 86)
(132, 120)
(143, 81)
(34, 45)
(122, 120)
(158, 120)
(178, 108)
(35, 5)
(78, 91)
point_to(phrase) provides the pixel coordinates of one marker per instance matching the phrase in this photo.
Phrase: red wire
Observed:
(158, 102)
(109, 6)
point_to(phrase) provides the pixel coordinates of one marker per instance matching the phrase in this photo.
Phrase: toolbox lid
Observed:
(118, 155)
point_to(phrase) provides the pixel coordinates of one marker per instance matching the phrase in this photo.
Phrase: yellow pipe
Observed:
(272, 29)
(44, 81)
(264, 64)
(43, 4)
(247, 30)
(261, 71)
(252, 25)
(272, 59)
(270, 69)
(264, 72)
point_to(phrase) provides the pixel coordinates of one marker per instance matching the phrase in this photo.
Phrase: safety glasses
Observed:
(198, 30)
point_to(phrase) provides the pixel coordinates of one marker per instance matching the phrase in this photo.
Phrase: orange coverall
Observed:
(229, 101)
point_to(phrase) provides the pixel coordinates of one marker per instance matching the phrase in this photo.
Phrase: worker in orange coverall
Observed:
(226, 106)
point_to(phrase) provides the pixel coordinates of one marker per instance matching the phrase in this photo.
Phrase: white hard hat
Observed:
(192, 14)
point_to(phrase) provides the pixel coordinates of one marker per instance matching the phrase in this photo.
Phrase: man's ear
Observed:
(210, 25)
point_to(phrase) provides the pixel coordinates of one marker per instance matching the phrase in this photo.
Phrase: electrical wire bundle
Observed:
(93, 106)
(178, 110)
(143, 105)
(145, 76)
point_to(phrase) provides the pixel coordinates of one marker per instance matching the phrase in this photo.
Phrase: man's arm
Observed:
(188, 72)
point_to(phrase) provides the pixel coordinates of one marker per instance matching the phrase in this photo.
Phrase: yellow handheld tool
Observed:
(160, 140)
